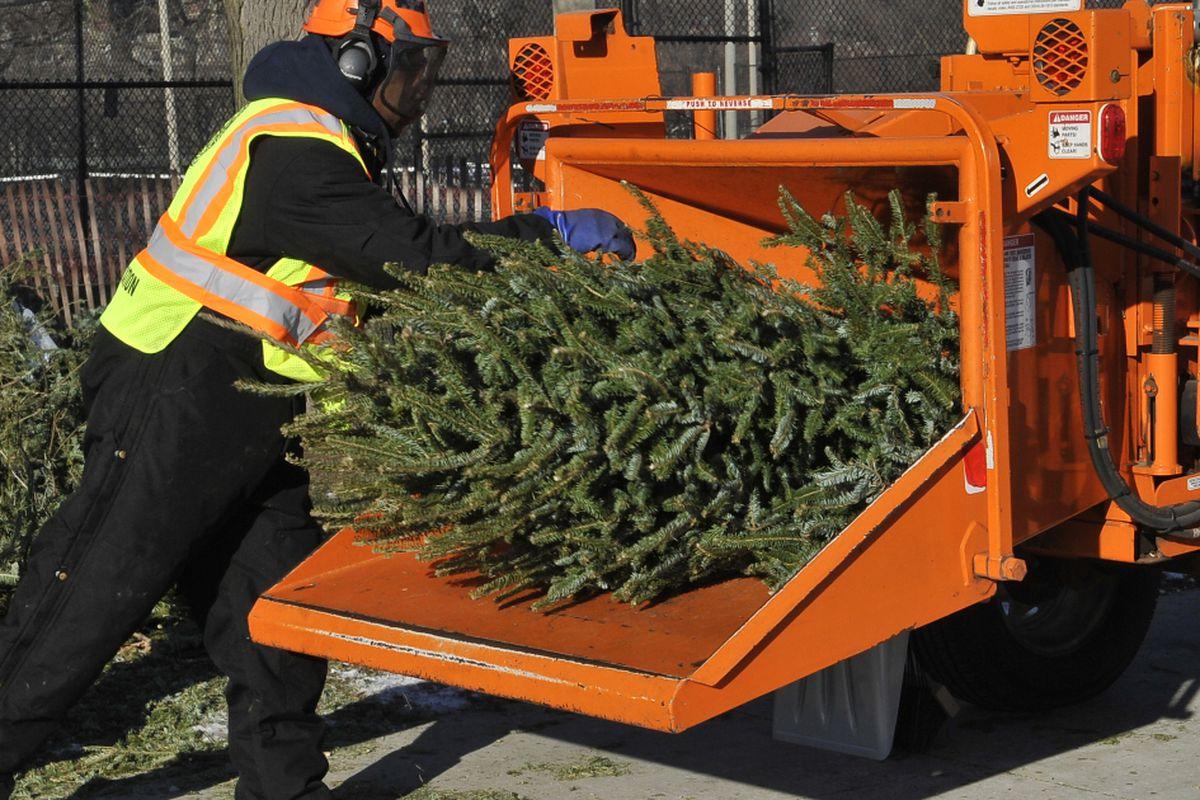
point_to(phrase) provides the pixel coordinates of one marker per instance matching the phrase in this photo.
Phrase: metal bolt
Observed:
(61, 574)
(1012, 569)
(1115, 76)
(120, 454)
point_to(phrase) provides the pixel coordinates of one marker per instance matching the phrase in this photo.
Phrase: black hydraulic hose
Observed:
(1142, 221)
(1180, 520)
(1137, 246)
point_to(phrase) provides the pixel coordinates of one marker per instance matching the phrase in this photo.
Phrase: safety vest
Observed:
(185, 267)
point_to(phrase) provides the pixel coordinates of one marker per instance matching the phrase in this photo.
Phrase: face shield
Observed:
(413, 64)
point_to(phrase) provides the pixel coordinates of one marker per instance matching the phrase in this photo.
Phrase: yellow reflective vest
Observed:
(185, 267)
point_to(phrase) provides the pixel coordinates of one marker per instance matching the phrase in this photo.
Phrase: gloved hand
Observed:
(590, 229)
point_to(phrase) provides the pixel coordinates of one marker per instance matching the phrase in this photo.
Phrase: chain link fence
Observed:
(121, 87)
(876, 47)
(892, 47)
(105, 102)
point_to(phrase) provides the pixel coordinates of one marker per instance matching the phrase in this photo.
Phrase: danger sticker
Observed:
(992, 8)
(1070, 134)
(1020, 292)
(531, 139)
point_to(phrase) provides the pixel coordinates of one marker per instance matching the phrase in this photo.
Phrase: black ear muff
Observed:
(356, 61)
(356, 56)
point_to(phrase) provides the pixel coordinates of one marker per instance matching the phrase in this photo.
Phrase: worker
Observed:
(186, 478)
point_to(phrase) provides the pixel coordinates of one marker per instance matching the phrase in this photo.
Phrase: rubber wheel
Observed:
(1061, 636)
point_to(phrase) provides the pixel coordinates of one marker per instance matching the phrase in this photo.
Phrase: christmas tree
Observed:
(573, 425)
(41, 416)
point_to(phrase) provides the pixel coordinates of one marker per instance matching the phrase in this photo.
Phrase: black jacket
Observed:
(308, 199)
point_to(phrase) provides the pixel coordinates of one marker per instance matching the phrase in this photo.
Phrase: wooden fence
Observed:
(77, 246)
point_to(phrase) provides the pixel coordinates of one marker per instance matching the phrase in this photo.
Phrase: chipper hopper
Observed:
(1024, 547)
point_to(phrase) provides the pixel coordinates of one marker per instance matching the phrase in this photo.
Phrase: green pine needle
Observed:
(41, 420)
(577, 426)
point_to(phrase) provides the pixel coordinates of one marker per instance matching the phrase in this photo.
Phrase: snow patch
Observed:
(386, 688)
(214, 729)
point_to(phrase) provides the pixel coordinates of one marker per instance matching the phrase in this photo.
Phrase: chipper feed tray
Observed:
(668, 666)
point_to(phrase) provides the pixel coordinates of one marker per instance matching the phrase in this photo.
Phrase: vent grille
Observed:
(1060, 56)
(533, 73)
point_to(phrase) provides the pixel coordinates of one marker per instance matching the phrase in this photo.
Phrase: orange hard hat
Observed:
(337, 18)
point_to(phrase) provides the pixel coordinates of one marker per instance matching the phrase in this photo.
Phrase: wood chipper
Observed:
(1023, 549)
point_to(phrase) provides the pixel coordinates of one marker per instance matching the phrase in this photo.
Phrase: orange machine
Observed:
(1021, 548)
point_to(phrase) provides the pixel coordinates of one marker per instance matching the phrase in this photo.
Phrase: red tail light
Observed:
(1112, 133)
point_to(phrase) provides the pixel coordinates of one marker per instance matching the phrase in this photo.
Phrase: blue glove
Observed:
(590, 229)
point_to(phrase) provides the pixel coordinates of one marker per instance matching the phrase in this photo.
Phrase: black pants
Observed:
(185, 480)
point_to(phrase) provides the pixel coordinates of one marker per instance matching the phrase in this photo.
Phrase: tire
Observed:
(1061, 636)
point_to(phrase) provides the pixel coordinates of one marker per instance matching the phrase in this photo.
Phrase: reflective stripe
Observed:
(320, 337)
(290, 293)
(217, 211)
(324, 286)
(318, 287)
(335, 306)
(318, 281)
(216, 172)
(212, 302)
(296, 316)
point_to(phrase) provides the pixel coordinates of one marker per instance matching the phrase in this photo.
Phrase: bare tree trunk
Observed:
(253, 24)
